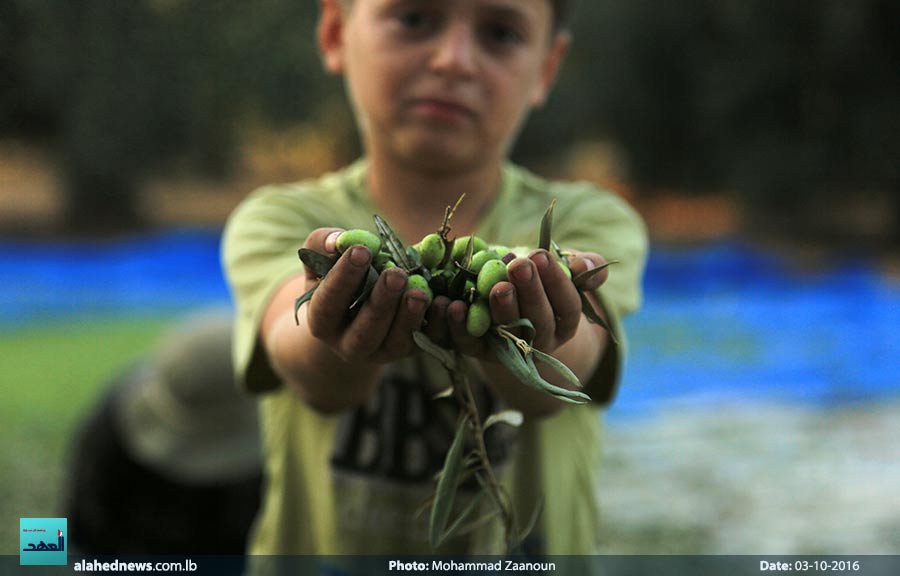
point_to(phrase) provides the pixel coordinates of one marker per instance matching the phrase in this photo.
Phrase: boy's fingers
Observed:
(581, 262)
(562, 295)
(532, 300)
(503, 303)
(436, 318)
(323, 240)
(329, 305)
(456, 323)
(366, 333)
(410, 313)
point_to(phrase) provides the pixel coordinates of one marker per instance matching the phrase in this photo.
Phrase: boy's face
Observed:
(441, 84)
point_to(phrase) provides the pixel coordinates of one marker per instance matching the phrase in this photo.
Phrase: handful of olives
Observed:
(435, 274)
(466, 268)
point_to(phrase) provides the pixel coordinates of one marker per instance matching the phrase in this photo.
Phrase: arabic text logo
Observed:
(42, 541)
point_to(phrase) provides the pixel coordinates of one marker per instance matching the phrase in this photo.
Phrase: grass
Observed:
(51, 376)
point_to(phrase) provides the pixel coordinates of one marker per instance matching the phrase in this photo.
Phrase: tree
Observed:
(133, 86)
(786, 102)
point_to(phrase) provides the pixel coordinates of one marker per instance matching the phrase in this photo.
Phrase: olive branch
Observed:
(511, 344)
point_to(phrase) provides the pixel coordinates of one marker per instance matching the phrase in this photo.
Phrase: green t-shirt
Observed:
(351, 483)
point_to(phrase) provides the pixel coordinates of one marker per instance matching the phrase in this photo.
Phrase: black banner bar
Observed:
(464, 566)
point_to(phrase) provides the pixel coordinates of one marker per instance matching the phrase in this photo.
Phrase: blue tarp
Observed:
(733, 323)
(164, 273)
(720, 323)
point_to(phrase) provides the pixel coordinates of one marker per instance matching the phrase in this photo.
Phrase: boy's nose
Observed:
(456, 51)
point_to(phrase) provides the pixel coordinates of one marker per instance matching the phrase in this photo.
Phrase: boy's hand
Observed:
(539, 290)
(382, 330)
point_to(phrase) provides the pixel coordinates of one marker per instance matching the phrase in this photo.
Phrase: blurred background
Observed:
(760, 409)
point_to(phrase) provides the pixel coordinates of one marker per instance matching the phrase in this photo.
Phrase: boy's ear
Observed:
(330, 35)
(550, 68)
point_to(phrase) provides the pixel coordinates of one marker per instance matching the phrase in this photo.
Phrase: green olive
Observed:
(479, 259)
(418, 281)
(470, 293)
(478, 318)
(431, 250)
(492, 272)
(383, 261)
(459, 247)
(349, 238)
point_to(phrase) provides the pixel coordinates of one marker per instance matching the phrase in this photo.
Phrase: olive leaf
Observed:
(467, 256)
(560, 393)
(458, 284)
(513, 418)
(557, 365)
(546, 227)
(365, 289)
(509, 356)
(415, 260)
(428, 503)
(439, 283)
(303, 299)
(532, 521)
(559, 253)
(588, 310)
(457, 289)
(447, 485)
(523, 368)
(580, 278)
(319, 264)
(442, 355)
(459, 527)
(393, 244)
(525, 324)
(494, 492)
(445, 393)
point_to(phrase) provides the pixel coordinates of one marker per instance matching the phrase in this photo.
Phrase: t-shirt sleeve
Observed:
(598, 221)
(259, 253)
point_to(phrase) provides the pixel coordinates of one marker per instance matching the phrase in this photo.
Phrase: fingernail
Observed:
(505, 297)
(589, 264)
(540, 260)
(523, 273)
(415, 305)
(359, 256)
(457, 314)
(331, 242)
(395, 282)
(439, 307)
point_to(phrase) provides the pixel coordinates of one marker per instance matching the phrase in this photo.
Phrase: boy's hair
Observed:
(562, 11)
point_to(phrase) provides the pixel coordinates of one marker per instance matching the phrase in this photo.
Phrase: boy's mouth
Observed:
(442, 109)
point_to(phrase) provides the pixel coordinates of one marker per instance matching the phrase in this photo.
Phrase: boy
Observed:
(352, 438)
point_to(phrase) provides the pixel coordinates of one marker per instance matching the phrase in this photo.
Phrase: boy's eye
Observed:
(502, 35)
(415, 19)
